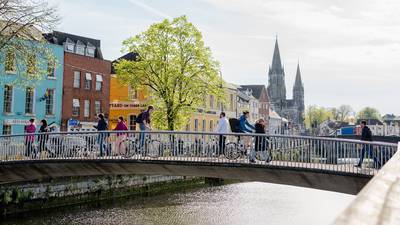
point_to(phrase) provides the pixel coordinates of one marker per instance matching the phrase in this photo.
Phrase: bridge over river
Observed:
(320, 163)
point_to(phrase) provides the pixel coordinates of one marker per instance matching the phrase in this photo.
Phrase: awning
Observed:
(99, 78)
(75, 102)
(88, 76)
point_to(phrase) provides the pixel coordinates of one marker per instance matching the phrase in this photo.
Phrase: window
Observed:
(10, 62)
(88, 81)
(211, 101)
(132, 122)
(99, 82)
(6, 129)
(196, 125)
(31, 64)
(86, 108)
(211, 125)
(8, 98)
(75, 107)
(90, 51)
(77, 79)
(29, 98)
(50, 102)
(51, 69)
(133, 95)
(97, 107)
(80, 48)
(204, 126)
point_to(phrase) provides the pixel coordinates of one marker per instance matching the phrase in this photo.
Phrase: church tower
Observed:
(276, 81)
(298, 96)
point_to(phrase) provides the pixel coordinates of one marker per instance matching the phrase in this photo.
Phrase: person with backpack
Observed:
(366, 135)
(101, 140)
(246, 127)
(144, 121)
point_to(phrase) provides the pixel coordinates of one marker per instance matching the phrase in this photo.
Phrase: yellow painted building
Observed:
(125, 102)
(206, 118)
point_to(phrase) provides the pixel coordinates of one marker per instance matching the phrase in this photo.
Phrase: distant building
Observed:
(292, 109)
(126, 101)
(86, 86)
(42, 100)
(261, 94)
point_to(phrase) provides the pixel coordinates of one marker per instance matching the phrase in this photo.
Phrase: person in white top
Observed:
(222, 128)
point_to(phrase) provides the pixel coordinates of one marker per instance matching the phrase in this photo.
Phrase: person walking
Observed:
(246, 127)
(30, 130)
(144, 121)
(101, 127)
(366, 135)
(42, 136)
(261, 142)
(222, 128)
(120, 144)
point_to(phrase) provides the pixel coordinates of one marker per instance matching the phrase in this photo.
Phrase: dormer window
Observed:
(80, 48)
(90, 49)
(69, 45)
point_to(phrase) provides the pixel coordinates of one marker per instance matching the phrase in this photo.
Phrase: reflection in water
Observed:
(235, 204)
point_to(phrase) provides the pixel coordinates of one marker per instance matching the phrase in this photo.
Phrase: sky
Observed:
(348, 50)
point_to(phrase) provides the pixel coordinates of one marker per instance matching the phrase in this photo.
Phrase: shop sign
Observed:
(126, 105)
(16, 122)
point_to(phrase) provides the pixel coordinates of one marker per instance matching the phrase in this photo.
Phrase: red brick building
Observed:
(86, 83)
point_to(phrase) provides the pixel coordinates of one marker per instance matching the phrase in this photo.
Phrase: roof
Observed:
(370, 121)
(256, 89)
(27, 32)
(57, 37)
(273, 115)
(131, 56)
(276, 59)
(298, 82)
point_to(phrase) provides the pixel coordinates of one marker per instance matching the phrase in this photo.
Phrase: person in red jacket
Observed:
(120, 142)
(30, 130)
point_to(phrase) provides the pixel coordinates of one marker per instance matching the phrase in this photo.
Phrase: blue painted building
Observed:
(41, 100)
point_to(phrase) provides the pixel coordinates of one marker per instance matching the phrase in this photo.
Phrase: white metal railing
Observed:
(318, 153)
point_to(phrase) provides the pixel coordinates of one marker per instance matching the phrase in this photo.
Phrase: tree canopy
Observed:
(315, 115)
(177, 67)
(368, 113)
(22, 46)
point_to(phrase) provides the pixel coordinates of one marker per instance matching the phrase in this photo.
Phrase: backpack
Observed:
(139, 118)
(235, 125)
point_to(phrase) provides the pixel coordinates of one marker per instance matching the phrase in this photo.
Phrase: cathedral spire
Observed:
(276, 59)
(298, 82)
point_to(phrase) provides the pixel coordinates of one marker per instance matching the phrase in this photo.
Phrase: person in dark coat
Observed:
(366, 135)
(43, 137)
(261, 142)
(102, 126)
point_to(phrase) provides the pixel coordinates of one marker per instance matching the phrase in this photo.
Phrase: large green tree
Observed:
(175, 65)
(23, 50)
(368, 113)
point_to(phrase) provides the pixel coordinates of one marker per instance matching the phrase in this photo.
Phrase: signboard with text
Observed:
(127, 105)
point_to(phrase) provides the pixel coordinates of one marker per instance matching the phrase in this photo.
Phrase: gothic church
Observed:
(291, 109)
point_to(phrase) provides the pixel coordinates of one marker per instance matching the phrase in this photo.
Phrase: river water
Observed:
(234, 204)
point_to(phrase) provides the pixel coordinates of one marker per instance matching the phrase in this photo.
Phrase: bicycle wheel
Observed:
(153, 148)
(232, 151)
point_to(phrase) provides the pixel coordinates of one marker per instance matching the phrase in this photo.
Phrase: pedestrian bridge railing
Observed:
(328, 154)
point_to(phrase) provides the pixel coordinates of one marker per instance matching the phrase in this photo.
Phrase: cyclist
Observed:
(246, 127)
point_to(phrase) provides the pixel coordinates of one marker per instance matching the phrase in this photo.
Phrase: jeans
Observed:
(222, 141)
(101, 140)
(369, 150)
(142, 135)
